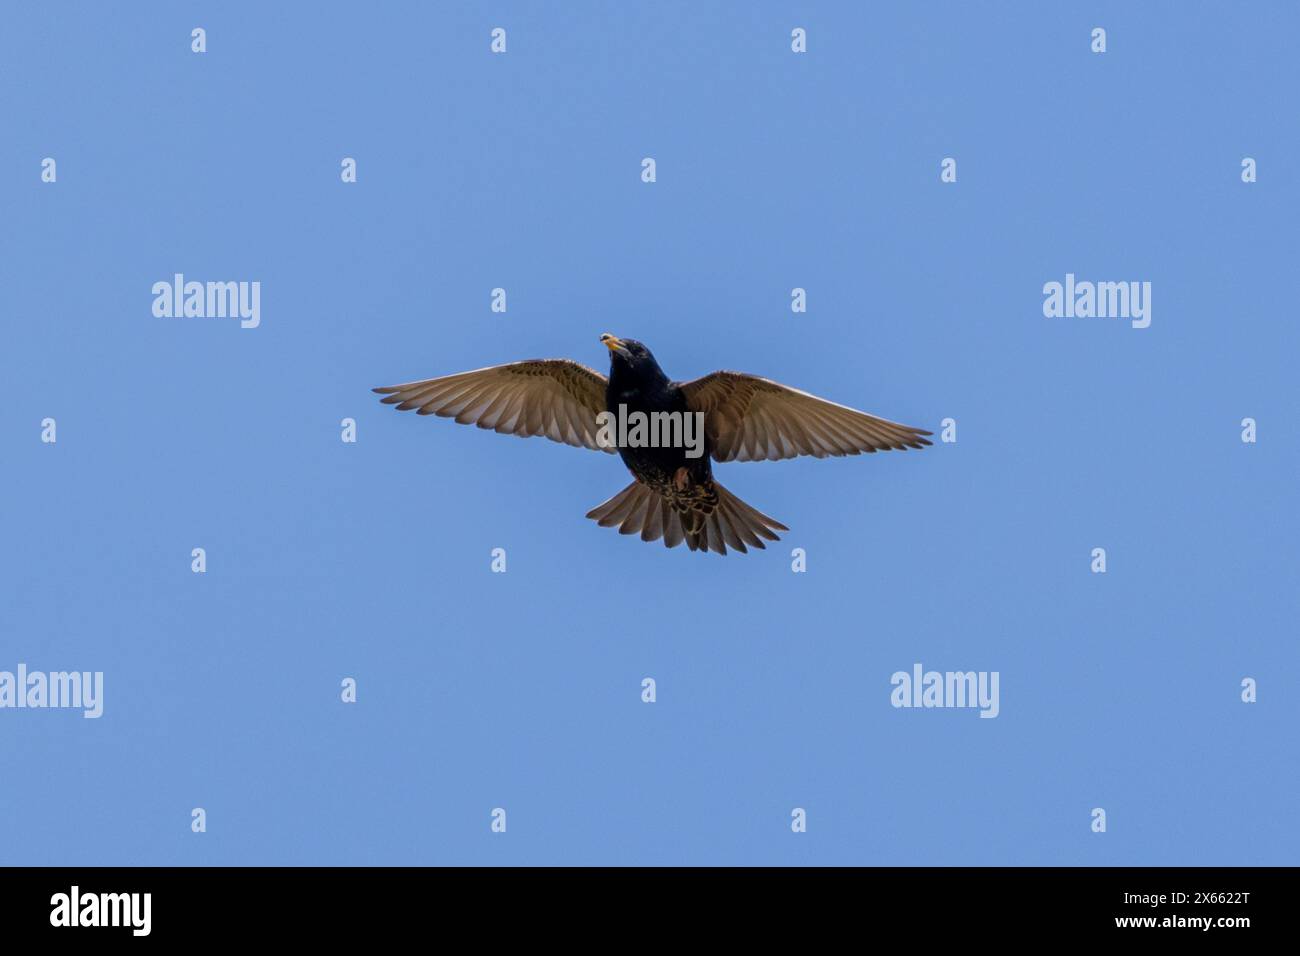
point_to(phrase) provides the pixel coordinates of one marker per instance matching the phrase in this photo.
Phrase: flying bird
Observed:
(673, 495)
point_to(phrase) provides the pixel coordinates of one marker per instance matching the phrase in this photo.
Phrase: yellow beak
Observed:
(611, 342)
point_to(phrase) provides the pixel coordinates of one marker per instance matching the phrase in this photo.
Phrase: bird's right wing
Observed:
(556, 398)
(748, 418)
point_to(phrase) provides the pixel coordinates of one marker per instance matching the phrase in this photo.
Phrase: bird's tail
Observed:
(708, 522)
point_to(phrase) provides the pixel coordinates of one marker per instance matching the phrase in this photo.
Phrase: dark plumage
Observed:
(674, 495)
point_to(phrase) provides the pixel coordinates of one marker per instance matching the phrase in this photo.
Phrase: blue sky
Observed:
(522, 690)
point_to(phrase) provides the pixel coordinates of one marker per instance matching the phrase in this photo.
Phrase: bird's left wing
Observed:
(748, 418)
(555, 398)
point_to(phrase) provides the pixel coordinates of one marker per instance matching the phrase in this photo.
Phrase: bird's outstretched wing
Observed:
(556, 398)
(748, 418)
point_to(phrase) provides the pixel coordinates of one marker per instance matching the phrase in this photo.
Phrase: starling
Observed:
(664, 431)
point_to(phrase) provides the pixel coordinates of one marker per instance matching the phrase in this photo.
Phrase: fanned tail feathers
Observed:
(706, 523)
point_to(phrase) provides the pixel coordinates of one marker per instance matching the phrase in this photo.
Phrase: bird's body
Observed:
(685, 484)
(649, 393)
(673, 494)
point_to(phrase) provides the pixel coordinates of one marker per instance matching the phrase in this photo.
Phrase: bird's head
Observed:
(629, 353)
